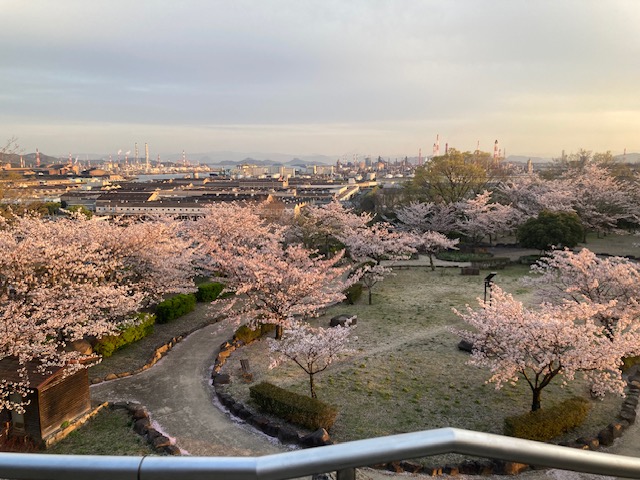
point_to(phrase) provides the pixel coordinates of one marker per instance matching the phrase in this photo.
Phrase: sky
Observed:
(330, 77)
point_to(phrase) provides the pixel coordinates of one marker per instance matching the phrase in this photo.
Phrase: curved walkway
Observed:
(180, 399)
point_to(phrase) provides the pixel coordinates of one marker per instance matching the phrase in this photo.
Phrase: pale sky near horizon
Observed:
(333, 77)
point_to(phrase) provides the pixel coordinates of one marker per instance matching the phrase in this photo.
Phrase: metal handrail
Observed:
(300, 463)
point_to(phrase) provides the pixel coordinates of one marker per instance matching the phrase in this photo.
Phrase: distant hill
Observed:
(29, 159)
(628, 158)
(255, 158)
(525, 159)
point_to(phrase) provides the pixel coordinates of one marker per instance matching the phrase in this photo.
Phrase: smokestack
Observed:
(495, 150)
(446, 148)
(437, 144)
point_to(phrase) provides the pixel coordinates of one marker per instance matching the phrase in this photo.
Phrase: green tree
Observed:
(551, 229)
(454, 177)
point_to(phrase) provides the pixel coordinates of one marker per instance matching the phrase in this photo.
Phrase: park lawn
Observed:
(407, 373)
(108, 433)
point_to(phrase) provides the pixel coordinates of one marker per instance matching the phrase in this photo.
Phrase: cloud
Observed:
(416, 67)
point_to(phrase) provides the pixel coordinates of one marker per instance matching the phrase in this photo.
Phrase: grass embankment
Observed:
(407, 373)
(108, 433)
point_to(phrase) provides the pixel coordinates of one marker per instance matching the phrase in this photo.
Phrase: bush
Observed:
(548, 229)
(247, 334)
(462, 256)
(543, 425)
(111, 343)
(353, 293)
(628, 362)
(175, 307)
(304, 411)
(208, 292)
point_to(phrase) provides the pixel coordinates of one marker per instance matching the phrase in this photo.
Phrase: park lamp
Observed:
(488, 282)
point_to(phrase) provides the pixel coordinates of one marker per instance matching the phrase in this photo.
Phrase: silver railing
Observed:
(344, 458)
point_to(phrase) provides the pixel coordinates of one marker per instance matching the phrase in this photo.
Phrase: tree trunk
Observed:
(433, 267)
(369, 289)
(279, 332)
(312, 386)
(535, 403)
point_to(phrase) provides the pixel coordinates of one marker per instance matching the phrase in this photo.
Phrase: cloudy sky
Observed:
(332, 77)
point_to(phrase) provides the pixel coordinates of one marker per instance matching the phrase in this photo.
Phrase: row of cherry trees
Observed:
(63, 280)
(591, 190)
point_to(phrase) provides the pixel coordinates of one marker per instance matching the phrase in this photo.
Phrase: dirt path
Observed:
(180, 399)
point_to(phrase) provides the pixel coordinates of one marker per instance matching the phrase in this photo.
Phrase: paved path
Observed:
(180, 399)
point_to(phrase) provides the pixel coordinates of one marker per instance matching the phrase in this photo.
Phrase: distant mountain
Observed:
(255, 158)
(628, 158)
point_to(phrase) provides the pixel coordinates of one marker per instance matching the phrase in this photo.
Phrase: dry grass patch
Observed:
(407, 373)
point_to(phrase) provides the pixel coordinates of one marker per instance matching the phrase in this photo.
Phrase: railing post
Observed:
(346, 474)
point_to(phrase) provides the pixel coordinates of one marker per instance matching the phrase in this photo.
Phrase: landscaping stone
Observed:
(141, 426)
(591, 442)
(257, 421)
(410, 467)
(172, 450)
(160, 442)
(605, 437)
(271, 429)
(465, 346)
(221, 379)
(244, 414)
(511, 468)
(616, 429)
(111, 376)
(316, 439)
(152, 434)
(288, 435)
(139, 413)
(341, 320)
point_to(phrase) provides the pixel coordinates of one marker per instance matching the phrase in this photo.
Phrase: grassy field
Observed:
(407, 373)
(108, 433)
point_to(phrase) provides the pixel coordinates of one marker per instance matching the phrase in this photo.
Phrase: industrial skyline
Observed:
(333, 78)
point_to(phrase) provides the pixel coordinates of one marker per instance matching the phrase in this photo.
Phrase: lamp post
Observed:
(488, 282)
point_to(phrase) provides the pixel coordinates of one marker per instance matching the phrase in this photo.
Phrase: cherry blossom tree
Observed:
(369, 246)
(530, 195)
(64, 279)
(583, 277)
(599, 199)
(312, 349)
(538, 345)
(274, 283)
(479, 218)
(320, 226)
(433, 243)
(428, 216)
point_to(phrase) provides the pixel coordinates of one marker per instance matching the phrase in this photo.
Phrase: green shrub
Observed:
(247, 334)
(453, 256)
(208, 292)
(175, 307)
(545, 424)
(353, 293)
(111, 343)
(628, 362)
(304, 411)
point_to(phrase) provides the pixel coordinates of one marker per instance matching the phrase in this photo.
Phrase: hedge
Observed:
(111, 343)
(175, 307)
(247, 334)
(545, 424)
(208, 292)
(353, 293)
(304, 411)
